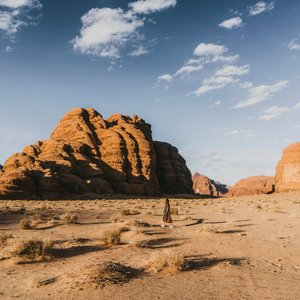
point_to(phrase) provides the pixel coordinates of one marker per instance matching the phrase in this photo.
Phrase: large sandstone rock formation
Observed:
(87, 156)
(253, 186)
(172, 174)
(202, 185)
(288, 169)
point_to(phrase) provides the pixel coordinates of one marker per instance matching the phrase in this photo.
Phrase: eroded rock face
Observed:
(254, 185)
(173, 175)
(202, 185)
(288, 169)
(87, 156)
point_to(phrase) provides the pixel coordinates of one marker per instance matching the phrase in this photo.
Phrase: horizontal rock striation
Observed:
(87, 156)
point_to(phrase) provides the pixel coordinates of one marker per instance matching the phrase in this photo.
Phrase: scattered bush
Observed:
(110, 273)
(33, 249)
(70, 218)
(4, 237)
(174, 211)
(169, 260)
(112, 237)
(25, 223)
(140, 223)
(128, 212)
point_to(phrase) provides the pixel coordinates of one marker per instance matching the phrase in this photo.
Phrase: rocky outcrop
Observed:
(172, 173)
(202, 185)
(87, 156)
(253, 186)
(288, 169)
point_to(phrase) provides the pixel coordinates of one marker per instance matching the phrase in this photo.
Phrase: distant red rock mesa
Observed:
(254, 185)
(288, 169)
(202, 185)
(87, 156)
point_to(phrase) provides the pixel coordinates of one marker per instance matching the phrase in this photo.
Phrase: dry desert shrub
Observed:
(69, 218)
(209, 228)
(111, 237)
(169, 260)
(32, 249)
(4, 237)
(110, 273)
(25, 223)
(128, 212)
(174, 211)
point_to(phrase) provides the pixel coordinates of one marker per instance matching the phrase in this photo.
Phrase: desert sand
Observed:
(234, 248)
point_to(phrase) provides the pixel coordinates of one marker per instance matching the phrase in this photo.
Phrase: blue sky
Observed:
(218, 79)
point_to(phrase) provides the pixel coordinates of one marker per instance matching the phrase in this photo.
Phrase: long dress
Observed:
(167, 214)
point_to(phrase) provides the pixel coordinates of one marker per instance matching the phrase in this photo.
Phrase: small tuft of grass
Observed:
(128, 212)
(174, 211)
(111, 237)
(4, 237)
(110, 273)
(69, 218)
(169, 260)
(33, 249)
(25, 223)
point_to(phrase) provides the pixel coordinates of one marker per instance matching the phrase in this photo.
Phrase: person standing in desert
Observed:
(167, 214)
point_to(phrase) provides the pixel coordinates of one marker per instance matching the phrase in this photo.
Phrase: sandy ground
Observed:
(245, 248)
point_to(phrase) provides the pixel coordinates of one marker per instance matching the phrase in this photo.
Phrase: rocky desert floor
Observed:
(234, 248)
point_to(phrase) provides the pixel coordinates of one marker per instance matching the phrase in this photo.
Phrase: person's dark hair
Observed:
(167, 200)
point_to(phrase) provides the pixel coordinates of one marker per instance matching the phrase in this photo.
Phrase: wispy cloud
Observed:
(231, 23)
(231, 70)
(261, 93)
(294, 45)
(204, 54)
(275, 112)
(105, 31)
(15, 14)
(260, 7)
(214, 83)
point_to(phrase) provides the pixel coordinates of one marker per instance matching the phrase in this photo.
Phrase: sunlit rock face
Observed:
(288, 169)
(87, 156)
(254, 185)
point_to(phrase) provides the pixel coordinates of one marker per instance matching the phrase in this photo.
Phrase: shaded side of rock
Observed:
(173, 175)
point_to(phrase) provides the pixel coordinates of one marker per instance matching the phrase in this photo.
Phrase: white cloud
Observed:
(165, 77)
(261, 93)
(204, 49)
(214, 83)
(246, 85)
(187, 69)
(276, 111)
(260, 7)
(294, 45)
(140, 50)
(105, 31)
(151, 6)
(273, 112)
(231, 23)
(15, 14)
(231, 70)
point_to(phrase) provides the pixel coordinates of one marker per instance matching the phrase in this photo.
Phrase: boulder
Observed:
(288, 170)
(202, 185)
(87, 155)
(254, 185)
